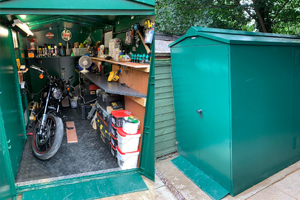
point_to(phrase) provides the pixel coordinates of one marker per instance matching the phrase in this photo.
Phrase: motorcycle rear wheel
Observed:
(50, 147)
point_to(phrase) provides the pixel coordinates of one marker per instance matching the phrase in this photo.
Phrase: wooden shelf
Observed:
(138, 66)
(57, 57)
(112, 87)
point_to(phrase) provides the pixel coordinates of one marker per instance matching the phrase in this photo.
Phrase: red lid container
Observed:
(121, 113)
(123, 134)
(126, 152)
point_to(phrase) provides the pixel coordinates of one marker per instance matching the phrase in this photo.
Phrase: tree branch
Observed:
(260, 19)
(237, 2)
(279, 10)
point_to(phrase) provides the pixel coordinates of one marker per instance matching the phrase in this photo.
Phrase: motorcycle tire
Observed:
(54, 142)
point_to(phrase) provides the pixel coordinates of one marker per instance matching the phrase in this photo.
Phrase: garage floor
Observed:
(171, 184)
(88, 155)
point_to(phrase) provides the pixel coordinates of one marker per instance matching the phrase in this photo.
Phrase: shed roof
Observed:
(240, 37)
(71, 7)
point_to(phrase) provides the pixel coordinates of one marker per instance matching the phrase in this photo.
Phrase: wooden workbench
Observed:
(138, 66)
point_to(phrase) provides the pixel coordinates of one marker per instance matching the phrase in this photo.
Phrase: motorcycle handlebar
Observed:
(41, 70)
(37, 68)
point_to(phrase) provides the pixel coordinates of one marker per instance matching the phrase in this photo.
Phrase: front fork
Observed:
(45, 115)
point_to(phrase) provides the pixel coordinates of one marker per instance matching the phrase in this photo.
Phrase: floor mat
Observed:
(88, 155)
(204, 182)
(93, 189)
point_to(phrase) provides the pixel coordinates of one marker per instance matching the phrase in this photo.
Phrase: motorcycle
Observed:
(48, 132)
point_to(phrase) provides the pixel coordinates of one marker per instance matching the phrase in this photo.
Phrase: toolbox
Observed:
(105, 127)
(105, 141)
(106, 99)
(105, 118)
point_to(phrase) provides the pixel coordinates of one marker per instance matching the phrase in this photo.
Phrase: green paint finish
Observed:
(147, 148)
(125, 24)
(248, 95)
(208, 185)
(96, 35)
(7, 186)
(238, 37)
(10, 99)
(265, 112)
(165, 135)
(89, 7)
(91, 189)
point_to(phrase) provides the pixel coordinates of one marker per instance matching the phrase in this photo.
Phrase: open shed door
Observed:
(147, 157)
(6, 176)
(10, 99)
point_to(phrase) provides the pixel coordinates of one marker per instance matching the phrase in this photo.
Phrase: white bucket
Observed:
(74, 102)
(128, 143)
(127, 160)
(130, 128)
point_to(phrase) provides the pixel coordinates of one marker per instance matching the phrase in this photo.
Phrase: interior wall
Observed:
(126, 23)
(41, 38)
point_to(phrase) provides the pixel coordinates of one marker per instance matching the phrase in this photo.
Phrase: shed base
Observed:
(204, 182)
(88, 155)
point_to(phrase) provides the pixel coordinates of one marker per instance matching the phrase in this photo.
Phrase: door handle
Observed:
(200, 111)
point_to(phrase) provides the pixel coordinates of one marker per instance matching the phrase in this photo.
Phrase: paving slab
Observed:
(290, 185)
(158, 182)
(286, 183)
(163, 193)
(271, 193)
(185, 186)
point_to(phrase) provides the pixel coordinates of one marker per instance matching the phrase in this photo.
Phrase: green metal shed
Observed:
(236, 98)
(92, 17)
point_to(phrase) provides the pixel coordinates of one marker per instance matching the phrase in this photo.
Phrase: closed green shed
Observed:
(236, 98)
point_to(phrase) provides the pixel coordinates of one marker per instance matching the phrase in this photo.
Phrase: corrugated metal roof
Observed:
(240, 37)
(162, 46)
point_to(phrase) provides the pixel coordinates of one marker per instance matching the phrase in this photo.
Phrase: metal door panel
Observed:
(10, 99)
(200, 81)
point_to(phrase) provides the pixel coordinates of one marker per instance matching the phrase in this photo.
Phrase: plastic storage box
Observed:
(117, 117)
(130, 127)
(127, 160)
(79, 51)
(128, 142)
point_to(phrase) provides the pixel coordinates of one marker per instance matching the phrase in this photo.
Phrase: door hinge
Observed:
(152, 80)
(146, 129)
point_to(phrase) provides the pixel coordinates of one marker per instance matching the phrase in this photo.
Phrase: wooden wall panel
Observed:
(135, 79)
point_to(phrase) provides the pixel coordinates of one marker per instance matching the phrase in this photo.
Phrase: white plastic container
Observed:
(79, 51)
(130, 128)
(128, 142)
(74, 102)
(127, 160)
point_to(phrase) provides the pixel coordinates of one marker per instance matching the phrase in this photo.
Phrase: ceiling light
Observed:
(23, 16)
(3, 32)
(22, 26)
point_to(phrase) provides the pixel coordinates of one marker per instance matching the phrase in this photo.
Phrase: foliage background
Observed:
(272, 16)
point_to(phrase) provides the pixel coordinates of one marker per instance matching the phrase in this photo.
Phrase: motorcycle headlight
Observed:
(57, 93)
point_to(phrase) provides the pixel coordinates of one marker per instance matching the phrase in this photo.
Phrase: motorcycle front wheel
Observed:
(46, 147)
